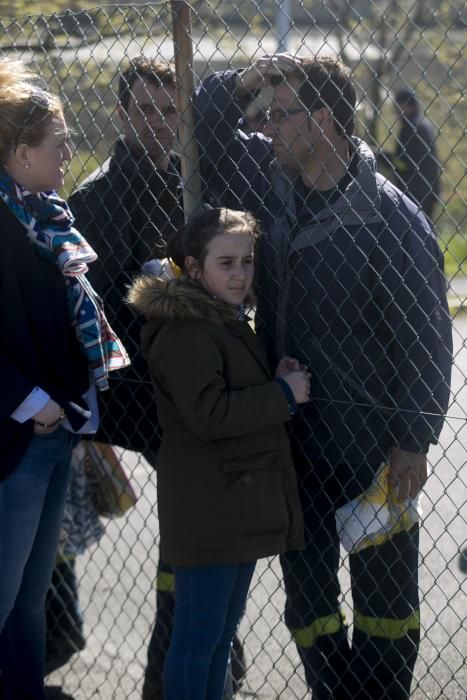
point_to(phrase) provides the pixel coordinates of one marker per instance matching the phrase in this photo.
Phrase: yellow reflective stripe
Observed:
(387, 628)
(307, 636)
(165, 582)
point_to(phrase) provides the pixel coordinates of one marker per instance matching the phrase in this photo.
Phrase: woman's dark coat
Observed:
(226, 481)
(38, 346)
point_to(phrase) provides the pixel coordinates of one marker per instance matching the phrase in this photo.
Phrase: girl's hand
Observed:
(299, 383)
(287, 364)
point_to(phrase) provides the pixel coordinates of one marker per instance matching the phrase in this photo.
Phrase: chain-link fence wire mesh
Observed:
(390, 47)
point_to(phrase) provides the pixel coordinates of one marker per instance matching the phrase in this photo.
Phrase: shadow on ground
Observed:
(54, 692)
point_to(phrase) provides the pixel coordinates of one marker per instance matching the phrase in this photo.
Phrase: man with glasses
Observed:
(350, 282)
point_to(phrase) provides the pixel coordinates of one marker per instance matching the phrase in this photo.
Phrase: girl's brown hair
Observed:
(193, 238)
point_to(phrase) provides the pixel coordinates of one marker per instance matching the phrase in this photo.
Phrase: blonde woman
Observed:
(55, 351)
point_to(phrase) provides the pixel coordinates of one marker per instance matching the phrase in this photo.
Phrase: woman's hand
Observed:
(48, 418)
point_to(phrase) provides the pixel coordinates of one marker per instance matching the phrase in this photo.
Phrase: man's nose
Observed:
(157, 120)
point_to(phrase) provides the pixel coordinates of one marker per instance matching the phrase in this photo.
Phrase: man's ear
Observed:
(192, 267)
(323, 118)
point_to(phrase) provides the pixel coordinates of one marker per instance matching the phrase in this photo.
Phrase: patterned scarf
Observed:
(49, 227)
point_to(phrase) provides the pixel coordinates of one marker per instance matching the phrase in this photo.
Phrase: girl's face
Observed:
(228, 268)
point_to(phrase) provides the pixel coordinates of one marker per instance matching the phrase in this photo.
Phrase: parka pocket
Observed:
(241, 467)
(241, 461)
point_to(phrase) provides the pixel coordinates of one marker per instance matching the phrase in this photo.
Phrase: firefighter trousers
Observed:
(377, 663)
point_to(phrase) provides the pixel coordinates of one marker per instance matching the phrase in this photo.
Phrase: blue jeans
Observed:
(31, 508)
(209, 602)
(160, 641)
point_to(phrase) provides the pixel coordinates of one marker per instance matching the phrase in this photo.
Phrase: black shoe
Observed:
(57, 662)
(59, 650)
(151, 691)
(238, 664)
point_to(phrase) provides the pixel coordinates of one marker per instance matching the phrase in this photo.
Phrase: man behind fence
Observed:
(414, 163)
(351, 283)
(126, 209)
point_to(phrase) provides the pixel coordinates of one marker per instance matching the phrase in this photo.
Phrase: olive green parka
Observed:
(227, 489)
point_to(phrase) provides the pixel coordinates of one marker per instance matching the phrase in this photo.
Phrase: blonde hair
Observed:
(26, 109)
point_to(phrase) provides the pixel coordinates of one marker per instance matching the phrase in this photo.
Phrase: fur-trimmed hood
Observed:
(177, 300)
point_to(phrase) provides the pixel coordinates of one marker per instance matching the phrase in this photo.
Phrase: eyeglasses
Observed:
(278, 116)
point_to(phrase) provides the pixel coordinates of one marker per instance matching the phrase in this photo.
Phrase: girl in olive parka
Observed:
(227, 491)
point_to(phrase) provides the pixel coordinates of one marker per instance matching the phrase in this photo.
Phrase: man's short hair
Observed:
(327, 82)
(152, 70)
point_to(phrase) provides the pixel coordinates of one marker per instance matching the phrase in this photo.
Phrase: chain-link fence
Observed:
(408, 61)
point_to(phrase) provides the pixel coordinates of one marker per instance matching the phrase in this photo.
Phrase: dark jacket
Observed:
(38, 346)
(126, 210)
(357, 293)
(226, 482)
(416, 162)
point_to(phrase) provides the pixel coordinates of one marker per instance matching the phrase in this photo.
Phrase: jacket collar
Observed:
(359, 204)
(180, 299)
(139, 167)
